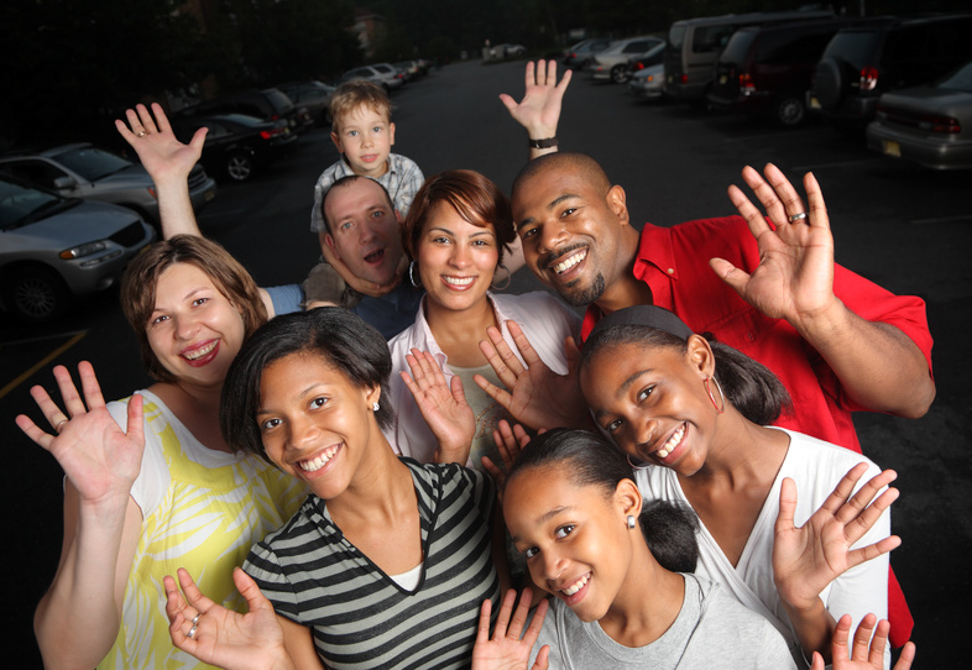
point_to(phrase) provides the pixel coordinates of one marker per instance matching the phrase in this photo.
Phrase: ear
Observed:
(373, 396)
(699, 355)
(628, 499)
(391, 134)
(617, 201)
(337, 141)
(329, 241)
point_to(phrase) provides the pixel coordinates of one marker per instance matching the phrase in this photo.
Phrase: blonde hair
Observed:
(354, 94)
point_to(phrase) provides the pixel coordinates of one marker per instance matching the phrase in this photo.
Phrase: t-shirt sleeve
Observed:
(262, 565)
(153, 479)
(412, 181)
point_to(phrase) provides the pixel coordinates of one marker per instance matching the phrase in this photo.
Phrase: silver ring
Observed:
(141, 133)
(57, 428)
(798, 217)
(195, 620)
(192, 631)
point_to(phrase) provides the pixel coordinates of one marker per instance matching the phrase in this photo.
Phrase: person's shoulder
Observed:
(403, 163)
(332, 173)
(807, 451)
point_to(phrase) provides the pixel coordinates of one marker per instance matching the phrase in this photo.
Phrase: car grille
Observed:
(197, 177)
(129, 235)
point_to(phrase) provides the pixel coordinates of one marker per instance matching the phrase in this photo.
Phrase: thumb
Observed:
(730, 274)
(508, 102)
(248, 588)
(788, 503)
(198, 139)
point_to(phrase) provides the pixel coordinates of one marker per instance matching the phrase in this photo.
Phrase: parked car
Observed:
(694, 45)
(648, 81)
(237, 146)
(410, 68)
(614, 63)
(269, 104)
(766, 70)
(313, 95)
(501, 51)
(580, 55)
(861, 63)
(929, 124)
(82, 170)
(390, 82)
(53, 249)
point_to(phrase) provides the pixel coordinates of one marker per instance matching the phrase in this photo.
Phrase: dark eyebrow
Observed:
(553, 203)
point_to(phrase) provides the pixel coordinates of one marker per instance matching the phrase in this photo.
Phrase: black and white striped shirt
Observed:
(359, 616)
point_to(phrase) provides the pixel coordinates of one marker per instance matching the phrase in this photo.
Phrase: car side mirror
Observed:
(65, 183)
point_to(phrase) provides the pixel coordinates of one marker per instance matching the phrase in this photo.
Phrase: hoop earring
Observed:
(640, 465)
(509, 278)
(708, 389)
(416, 282)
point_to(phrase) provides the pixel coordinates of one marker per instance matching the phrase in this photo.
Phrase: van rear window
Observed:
(675, 37)
(712, 38)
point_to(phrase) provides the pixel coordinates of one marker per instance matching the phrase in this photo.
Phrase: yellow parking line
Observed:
(44, 361)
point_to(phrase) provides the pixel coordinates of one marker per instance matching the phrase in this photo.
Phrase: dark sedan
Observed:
(237, 146)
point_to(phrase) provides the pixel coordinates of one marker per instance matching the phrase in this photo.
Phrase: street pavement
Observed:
(908, 229)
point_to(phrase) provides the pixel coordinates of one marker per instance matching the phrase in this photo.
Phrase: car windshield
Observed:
(856, 47)
(959, 80)
(20, 205)
(91, 163)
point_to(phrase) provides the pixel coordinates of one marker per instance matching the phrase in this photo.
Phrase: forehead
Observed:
(296, 371)
(363, 114)
(360, 196)
(444, 215)
(181, 276)
(543, 189)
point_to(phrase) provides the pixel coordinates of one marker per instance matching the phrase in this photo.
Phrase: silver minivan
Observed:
(694, 45)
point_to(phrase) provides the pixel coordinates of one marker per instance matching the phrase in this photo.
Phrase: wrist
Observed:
(545, 142)
(828, 319)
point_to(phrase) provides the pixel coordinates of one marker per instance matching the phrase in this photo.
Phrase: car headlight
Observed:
(83, 250)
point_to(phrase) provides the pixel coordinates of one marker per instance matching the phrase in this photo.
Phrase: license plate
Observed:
(814, 103)
(209, 195)
(892, 148)
(723, 79)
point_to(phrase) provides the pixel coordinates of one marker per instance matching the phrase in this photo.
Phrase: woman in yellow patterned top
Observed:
(150, 484)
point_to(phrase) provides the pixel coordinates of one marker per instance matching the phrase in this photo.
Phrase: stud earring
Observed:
(375, 406)
(632, 521)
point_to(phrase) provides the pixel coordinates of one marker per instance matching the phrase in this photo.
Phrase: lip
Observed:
(677, 452)
(369, 158)
(308, 475)
(458, 288)
(203, 360)
(573, 600)
(374, 257)
(577, 253)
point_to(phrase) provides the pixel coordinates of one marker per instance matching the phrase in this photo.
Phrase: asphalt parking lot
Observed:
(906, 228)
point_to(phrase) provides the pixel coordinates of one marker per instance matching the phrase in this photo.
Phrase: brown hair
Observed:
(477, 200)
(142, 276)
(351, 95)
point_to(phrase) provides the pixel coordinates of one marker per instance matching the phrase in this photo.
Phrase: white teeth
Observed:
(578, 585)
(459, 281)
(570, 262)
(319, 462)
(199, 353)
(672, 442)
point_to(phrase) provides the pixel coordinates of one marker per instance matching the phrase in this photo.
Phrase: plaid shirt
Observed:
(402, 181)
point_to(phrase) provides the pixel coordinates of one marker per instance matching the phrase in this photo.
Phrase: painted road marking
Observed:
(44, 361)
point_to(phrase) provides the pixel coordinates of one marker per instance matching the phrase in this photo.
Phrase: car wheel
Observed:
(789, 110)
(620, 74)
(35, 294)
(239, 165)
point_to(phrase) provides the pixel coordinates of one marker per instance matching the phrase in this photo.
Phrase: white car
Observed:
(390, 81)
(614, 63)
(54, 248)
(648, 82)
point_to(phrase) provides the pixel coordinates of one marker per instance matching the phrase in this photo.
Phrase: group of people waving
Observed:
(498, 485)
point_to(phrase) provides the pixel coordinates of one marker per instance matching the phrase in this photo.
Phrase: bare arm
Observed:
(78, 618)
(879, 366)
(539, 111)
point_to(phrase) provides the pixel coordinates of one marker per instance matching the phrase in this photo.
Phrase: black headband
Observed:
(644, 315)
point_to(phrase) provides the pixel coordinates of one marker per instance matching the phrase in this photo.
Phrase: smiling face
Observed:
(365, 137)
(655, 406)
(194, 330)
(315, 423)
(571, 231)
(575, 538)
(363, 230)
(456, 259)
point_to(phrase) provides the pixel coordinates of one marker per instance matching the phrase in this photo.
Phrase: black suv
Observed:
(861, 63)
(270, 104)
(766, 70)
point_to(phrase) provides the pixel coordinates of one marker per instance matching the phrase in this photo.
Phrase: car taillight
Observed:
(683, 79)
(267, 134)
(869, 77)
(638, 66)
(572, 55)
(746, 85)
(939, 124)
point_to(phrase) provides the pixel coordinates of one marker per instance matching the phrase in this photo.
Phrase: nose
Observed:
(644, 432)
(367, 139)
(553, 565)
(185, 326)
(303, 433)
(459, 257)
(551, 236)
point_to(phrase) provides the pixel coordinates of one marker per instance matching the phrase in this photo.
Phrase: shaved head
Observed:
(582, 164)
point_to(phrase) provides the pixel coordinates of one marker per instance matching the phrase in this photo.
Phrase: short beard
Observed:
(584, 297)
